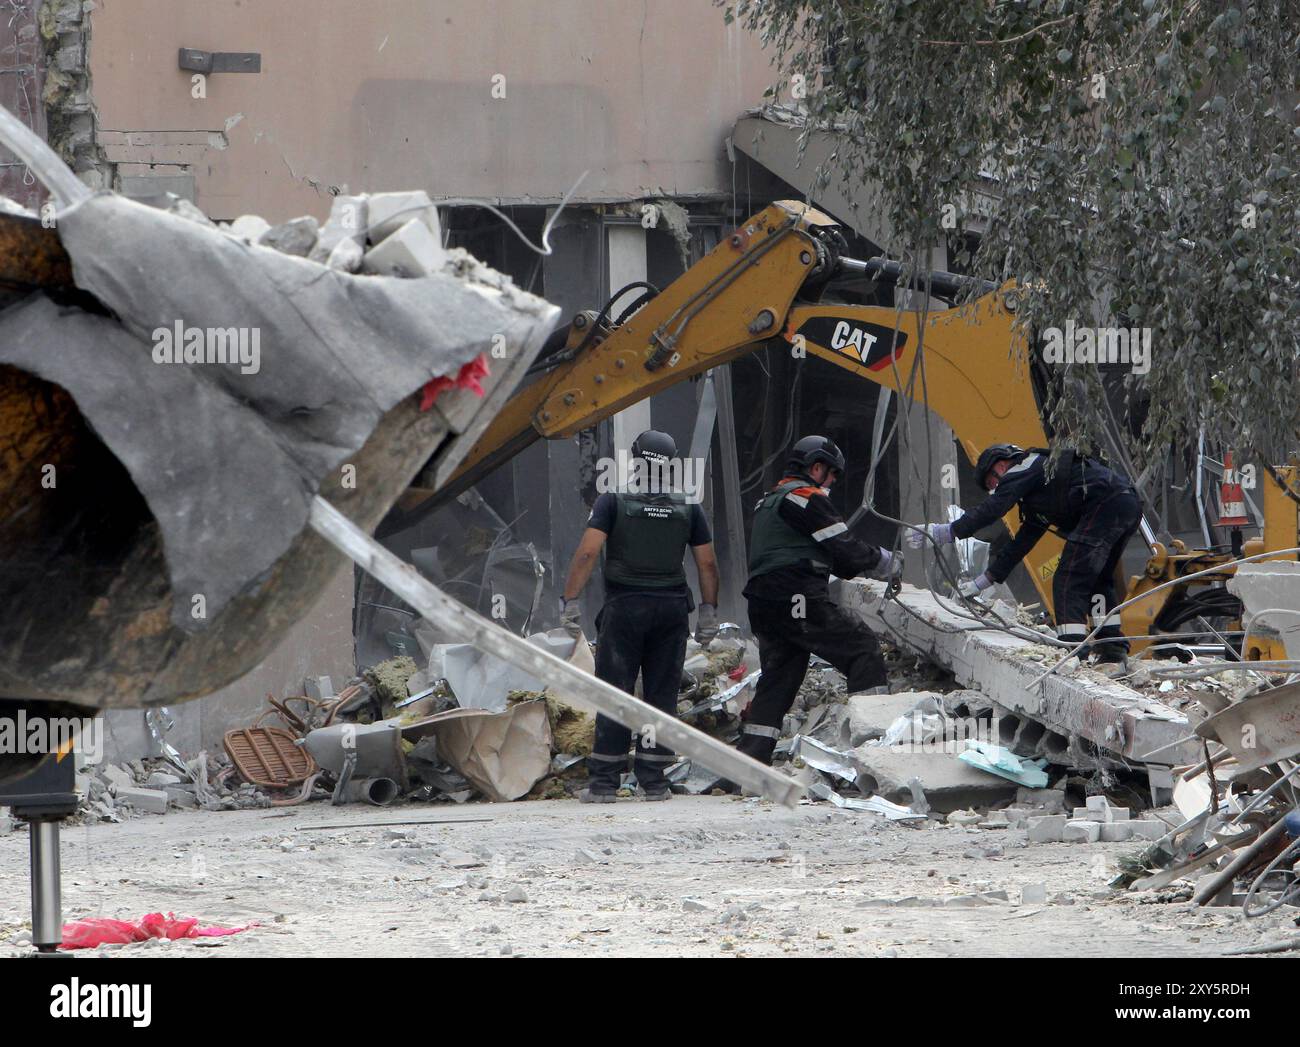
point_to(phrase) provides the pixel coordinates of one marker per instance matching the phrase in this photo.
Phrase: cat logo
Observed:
(854, 339)
(871, 345)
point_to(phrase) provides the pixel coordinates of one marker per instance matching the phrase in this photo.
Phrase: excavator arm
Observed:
(746, 293)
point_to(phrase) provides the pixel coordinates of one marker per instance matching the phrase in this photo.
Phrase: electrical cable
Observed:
(459, 201)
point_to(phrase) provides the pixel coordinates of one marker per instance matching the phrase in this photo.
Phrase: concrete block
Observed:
(1082, 814)
(347, 222)
(869, 715)
(295, 237)
(1048, 829)
(151, 801)
(388, 212)
(1081, 832)
(117, 777)
(161, 779)
(1033, 894)
(181, 796)
(318, 687)
(949, 783)
(1147, 829)
(410, 252)
(1116, 832)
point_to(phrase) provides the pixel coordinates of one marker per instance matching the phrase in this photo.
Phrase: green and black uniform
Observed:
(798, 541)
(643, 626)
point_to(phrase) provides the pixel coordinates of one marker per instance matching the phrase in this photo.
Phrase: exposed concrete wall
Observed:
(396, 94)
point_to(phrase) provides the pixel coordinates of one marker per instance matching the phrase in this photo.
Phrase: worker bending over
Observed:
(643, 625)
(1095, 509)
(797, 543)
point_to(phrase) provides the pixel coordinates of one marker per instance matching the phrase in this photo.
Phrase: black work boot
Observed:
(759, 746)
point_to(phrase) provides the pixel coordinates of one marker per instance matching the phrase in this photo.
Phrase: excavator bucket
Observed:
(153, 514)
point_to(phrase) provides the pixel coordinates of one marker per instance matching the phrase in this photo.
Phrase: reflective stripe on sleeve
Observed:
(830, 532)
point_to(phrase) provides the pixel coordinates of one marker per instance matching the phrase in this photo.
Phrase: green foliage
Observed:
(1141, 154)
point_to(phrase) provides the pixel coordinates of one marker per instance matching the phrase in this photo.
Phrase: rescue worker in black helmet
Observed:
(643, 625)
(1094, 508)
(798, 541)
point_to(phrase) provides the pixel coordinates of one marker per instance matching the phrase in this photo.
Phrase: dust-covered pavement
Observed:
(697, 876)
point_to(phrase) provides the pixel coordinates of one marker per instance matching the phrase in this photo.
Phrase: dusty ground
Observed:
(698, 876)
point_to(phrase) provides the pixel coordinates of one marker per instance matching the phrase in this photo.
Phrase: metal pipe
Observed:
(1240, 862)
(47, 901)
(378, 792)
(66, 188)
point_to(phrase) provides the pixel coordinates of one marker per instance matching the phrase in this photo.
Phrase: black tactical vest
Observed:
(773, 543)
(1053, 504)
(651, 531)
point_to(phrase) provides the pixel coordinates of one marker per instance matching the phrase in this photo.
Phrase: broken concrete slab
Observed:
(152, 801)
(868, 716)
(1086, 705)
(949, 784)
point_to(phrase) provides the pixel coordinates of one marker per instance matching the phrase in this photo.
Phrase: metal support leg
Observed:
(47, 902)
(42, 799)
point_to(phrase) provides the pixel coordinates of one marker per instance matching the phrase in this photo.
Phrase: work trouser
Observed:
(785, 643)
(646, 635)
(1086, 584)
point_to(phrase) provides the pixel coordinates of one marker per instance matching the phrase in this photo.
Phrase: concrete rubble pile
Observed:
(1196, 762)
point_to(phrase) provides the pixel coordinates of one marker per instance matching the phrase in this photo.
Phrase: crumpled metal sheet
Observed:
(228, 461)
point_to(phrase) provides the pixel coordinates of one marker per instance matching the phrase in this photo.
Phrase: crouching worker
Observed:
(798, 541)
(1095, 509)
(643, 625)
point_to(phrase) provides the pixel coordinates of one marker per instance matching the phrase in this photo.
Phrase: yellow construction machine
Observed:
(761, 286)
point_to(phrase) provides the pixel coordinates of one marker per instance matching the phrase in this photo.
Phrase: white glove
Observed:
(889, 568)
(571, 618)
(706, 624)
(975, 586)
(940, 533)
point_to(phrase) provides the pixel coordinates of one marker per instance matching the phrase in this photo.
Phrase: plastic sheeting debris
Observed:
(100, 930)
(1005, 764)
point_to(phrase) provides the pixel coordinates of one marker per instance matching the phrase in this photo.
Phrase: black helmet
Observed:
(990, 457)
(654, 446)
(812, 449)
